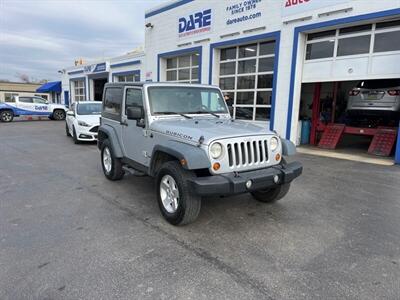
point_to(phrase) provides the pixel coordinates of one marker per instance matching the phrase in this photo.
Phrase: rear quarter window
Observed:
(112, 103)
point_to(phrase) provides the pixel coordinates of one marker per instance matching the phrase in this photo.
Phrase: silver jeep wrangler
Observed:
(184, 136)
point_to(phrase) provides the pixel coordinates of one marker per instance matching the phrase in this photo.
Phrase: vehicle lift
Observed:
(383, 141)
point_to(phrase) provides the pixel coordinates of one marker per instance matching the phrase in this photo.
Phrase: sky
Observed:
(40, 37)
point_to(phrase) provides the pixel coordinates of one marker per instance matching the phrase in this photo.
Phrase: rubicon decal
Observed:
(179, 134)
(196, 23)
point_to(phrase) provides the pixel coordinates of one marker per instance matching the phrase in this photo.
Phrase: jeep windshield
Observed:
(167, 100)
(86, 109)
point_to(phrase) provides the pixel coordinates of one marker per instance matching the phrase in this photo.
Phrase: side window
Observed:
(112, 103)
(133, 98)
(39, 100)
(26, 99)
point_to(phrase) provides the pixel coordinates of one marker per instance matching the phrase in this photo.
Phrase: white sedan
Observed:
(83, 120)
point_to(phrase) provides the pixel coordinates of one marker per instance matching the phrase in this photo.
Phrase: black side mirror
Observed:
(134, 113)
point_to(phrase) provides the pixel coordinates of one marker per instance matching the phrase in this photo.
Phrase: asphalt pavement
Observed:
(66, 232)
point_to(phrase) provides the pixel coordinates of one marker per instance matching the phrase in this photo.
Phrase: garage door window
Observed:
(355, 40)
(246, 75)
(183, 69)
(354, 45)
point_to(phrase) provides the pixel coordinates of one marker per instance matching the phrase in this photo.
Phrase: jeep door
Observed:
(135, 141)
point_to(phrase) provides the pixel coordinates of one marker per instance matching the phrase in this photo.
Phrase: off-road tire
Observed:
(271, 195)
(59, 114)
(116, 172)
(67, 129)
(189, 204)
(274, 194)
(6, 116)
(74, 136)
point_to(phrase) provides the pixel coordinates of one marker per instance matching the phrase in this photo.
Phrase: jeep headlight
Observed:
(274, 143)
(216, 150)
(83, 123)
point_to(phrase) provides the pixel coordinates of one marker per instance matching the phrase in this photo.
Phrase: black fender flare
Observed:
(195, 157)
(113, 138)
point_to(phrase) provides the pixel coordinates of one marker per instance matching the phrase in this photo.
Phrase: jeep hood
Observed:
(210, 129)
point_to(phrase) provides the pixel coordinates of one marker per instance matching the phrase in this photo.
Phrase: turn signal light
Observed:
(183, 162)
(277, 157)
(394, 92)
(216, 166)
(354, 92)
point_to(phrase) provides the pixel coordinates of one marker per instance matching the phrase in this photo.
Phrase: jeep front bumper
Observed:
(235, 183)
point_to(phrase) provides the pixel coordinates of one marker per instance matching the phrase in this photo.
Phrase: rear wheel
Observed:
(177, 204)
(112, 166)
(6, 115)
(59, 114)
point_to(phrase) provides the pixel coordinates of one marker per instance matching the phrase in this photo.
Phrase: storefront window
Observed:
(127, 78)
(246, 76)
(9, 97)
(183, 68)
(79, 90)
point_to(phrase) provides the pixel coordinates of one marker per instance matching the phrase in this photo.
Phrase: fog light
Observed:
(216, 166)
(276, 179)
(249, 183)
(277, 157)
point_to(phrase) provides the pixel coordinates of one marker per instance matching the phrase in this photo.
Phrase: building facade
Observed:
(261, 52)
(10, 89)
(86, 82)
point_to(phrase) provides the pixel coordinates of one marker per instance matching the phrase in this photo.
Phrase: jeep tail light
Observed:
(354, 92)
(394, 92)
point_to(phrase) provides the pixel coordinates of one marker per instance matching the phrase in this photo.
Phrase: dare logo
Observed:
(195, 21)
(290, 3)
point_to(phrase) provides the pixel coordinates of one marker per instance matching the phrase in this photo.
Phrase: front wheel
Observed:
(6, 116)
(177, 204)
(67, 129)
(272, 194)
(112, 166)
(75, 136)
(59, 115)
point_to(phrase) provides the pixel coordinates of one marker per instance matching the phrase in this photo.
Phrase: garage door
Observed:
(365, 51)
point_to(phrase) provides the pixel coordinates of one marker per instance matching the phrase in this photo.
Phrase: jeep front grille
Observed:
(248, 153)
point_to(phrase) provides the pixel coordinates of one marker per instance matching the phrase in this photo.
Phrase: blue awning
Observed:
(54, 86)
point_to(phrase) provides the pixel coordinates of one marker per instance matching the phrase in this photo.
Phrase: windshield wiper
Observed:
(207, 112)
(172, 113)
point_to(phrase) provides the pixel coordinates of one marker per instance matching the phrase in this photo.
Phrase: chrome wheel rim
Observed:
(169, 194)
(107, 161)
(7, 116)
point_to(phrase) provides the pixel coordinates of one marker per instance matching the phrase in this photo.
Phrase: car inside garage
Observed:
(350, 91)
